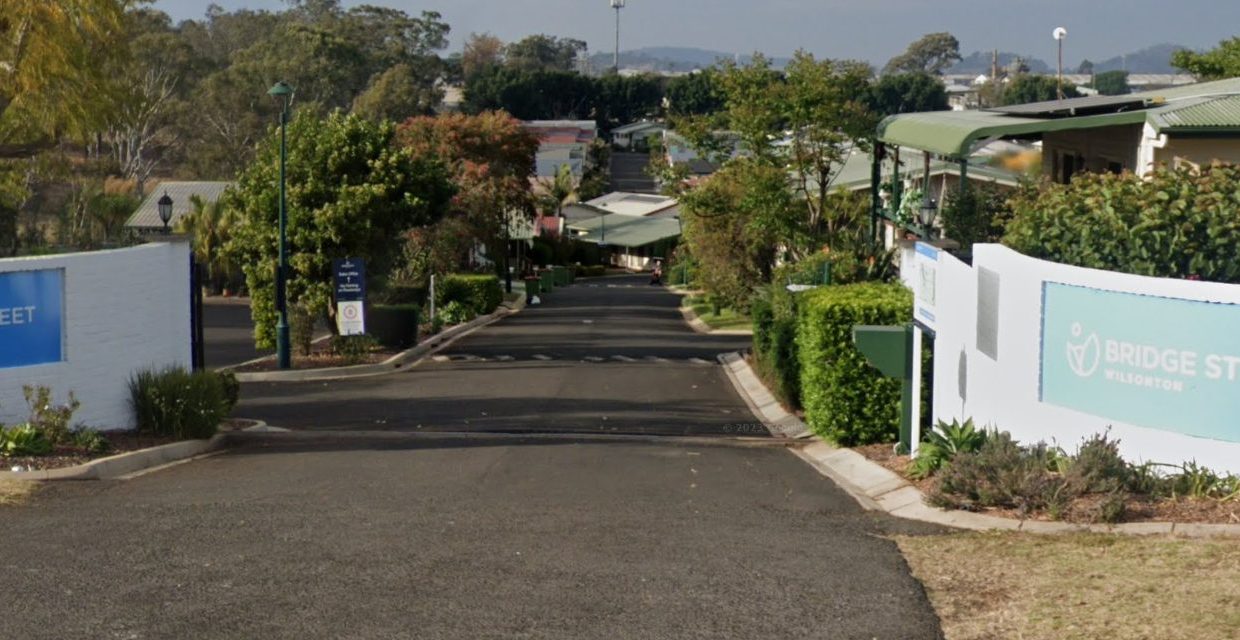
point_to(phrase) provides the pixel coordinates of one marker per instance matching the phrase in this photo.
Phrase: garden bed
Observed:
(321, 357)
(1137, 508)
(63, 456)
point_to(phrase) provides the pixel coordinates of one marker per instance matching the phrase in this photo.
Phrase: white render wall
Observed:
(124, 310)
(1005, 393)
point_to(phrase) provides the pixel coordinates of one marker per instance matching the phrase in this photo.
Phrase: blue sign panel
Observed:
(350, 279)
(31, 317)
(1164, 363)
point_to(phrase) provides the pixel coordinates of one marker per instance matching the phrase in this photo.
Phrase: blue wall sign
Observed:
(350, 279)
(1164, 363)
(31, 317)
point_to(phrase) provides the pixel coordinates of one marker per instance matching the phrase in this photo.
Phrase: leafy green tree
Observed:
(538, 95)
(624, 99)
(1086, 68)
(395, 95)
(1218, 63)
(1112, 83)
(351, 193)
(695, 94)
(933, 53)
(908, 93)
(209, 225)
(52, 61)
(1026, 88)
(544, 53)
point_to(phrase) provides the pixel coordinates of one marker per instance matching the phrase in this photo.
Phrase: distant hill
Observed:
(670, 59)
(1155, 59)
(979, 62)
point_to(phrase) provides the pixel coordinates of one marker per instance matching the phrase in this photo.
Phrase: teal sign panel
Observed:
(31, 317)
(1164, 363)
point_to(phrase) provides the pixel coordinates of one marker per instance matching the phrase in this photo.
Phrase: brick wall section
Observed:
(124, 310)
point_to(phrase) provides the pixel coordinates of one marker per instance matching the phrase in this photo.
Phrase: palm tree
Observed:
(209, 225)
(560, 190)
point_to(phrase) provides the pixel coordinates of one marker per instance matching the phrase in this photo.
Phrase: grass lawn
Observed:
(1011, 585)
(727, 318)
(14, 493)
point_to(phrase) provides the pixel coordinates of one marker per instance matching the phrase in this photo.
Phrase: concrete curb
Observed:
(123, 464)
(393, 364)
(697, 325)
(877, 488)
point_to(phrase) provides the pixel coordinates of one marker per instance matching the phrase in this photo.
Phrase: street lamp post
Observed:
(284, 93)
(617, 5)
(1060, 33)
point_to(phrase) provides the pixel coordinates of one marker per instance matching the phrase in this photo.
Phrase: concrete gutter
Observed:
(125, 463)
(402, 360)
(877, 488)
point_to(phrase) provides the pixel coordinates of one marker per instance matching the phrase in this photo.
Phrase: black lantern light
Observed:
(926, 215)
(165, 210)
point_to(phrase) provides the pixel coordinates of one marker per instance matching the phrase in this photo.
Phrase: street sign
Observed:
(31, 323)
(350, 275)
(350, 279)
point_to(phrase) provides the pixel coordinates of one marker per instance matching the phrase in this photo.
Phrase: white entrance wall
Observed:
(988, 354)
(123, 310)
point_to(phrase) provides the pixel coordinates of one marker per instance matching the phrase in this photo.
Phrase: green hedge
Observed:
(591, 271)
(774, 339)
(480, 293)
(845, 399)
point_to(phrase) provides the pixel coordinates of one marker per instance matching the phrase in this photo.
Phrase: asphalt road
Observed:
(558, 530)
(382, 537)
(228, 332)
(607, 355)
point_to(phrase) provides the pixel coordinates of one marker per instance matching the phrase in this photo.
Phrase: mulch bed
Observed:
(68, 456)
(1137, 508)
(321, 357)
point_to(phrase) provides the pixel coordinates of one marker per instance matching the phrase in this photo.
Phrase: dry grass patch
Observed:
(1011, 585)
(15, 493)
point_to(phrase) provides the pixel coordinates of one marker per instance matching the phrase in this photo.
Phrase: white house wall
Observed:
(123, 310)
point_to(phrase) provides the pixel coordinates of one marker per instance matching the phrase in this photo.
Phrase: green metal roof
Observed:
(625, 230)
(855, 174)
(1217, 115)
(955, 133)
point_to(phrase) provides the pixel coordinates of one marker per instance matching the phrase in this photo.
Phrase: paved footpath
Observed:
(415, 533)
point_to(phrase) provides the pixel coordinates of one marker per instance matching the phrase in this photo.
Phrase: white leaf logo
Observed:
(1083, 357)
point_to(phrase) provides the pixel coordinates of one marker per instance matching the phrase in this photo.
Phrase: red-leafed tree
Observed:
(491, 159)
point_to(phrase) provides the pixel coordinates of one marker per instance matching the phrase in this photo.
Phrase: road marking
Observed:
(504, 358)
(623, 359)
(587, 322)
(594, 359)
(440, 358)
(698, 361)
(539, 356)
(655, 359)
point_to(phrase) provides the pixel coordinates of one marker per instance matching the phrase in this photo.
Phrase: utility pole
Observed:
(617, 5)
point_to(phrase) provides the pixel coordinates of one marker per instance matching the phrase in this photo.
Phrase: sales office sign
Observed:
(1165, 363)
(31, 305)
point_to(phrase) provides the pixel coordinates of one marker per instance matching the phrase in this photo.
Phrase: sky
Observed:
(873, 30)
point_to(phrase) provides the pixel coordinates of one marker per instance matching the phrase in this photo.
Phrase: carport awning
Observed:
(954, 134)
(618, 229)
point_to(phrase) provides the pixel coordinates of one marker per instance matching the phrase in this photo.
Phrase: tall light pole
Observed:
(284, 93)
(1060, 33)
(617, 5)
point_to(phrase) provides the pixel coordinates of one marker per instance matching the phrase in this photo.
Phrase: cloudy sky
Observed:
(872, 30)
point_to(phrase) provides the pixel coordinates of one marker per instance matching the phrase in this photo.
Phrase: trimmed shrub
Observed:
(394, 325)
(774, 334)
(175, 402)
(481, 293)
(845, 399)
(455, 312)
(354, 349)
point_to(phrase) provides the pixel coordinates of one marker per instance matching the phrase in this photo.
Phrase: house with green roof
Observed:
(1187, 125)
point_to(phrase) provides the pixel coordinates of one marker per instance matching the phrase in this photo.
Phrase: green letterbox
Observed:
(890, 349)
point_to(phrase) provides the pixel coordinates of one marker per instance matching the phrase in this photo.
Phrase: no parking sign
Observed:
(350, 274)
